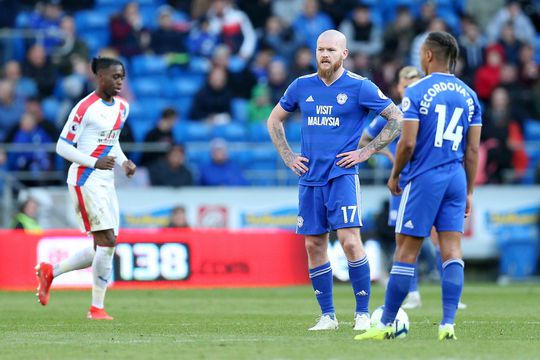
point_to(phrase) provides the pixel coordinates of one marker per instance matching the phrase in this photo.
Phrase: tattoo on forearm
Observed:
(391, 130)
(277, 133)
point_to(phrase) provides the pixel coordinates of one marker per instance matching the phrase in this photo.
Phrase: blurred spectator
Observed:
(26, 218)
(171, 170)
(239, 81)
(303, 63)
(534, 101)
(502, 139)
(213, 102)
(40, 68)
(234, 28)
(258, 11)
(277, 79)
(24, 87)
(279, 37)
(201, 41)
(311, 23)
(488, 76)
(128, 35)
(72, 48)
(518, 95)
(363, 36)
(428, 11)
(161, 133)
(46, 19)
(472, 43)
(169, 37)
(399, 35)
(436, 24)
(529, 71)
(178, 218)
(11, 107)
(3, 168)
(511, 14)
(337, 9)
(259, 66)
(221, 171)
(510, 44)
(260, 104)
(34, 107)
(35, 159)
(287, 10)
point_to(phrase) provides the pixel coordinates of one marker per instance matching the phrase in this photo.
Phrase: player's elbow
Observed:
(408, 146)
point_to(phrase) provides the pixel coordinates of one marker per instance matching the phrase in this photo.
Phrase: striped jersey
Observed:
(333, 117)
(94, 127)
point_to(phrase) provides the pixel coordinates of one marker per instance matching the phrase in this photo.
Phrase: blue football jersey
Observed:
(332, 120)
(445, 108)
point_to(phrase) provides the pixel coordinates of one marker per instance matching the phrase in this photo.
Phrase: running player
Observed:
(440, 141)
(94, 126)
(334, 103)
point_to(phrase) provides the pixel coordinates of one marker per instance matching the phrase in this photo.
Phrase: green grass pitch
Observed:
(500, 323)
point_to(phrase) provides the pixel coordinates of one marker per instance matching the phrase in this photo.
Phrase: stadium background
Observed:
(216, 78)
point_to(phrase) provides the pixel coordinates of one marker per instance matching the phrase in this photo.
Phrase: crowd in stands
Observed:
(210, 71)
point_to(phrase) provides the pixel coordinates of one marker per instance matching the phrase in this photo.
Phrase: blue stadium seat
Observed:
(187, 131)
(95, 40)
(22, 20)
(184, 85)
(199, 65)
(532, 130)
(140, 126)
(240, 110)
(50, 107)
(230, 132)
(197, 158)
(258, 132)
(149, 108)
(88, 20)
(293, 130)
(148, 86)
(182, 104)
(144, 65)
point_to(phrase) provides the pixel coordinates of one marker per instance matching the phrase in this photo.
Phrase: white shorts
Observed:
(96, 207)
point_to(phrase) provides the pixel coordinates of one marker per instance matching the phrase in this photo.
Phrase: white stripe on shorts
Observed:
(358, 199)
(402, 205)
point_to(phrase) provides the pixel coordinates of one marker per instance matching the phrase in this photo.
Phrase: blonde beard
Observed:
(329, 73)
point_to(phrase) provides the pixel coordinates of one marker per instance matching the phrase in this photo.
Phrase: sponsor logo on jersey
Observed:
(341, 98)
(108, 137)
(310, 99)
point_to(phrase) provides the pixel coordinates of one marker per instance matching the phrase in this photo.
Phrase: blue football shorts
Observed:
(333, 206)
(393, 211)
(434, 198)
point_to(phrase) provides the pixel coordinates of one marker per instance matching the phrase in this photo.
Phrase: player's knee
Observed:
(351, 245)
(315, 247)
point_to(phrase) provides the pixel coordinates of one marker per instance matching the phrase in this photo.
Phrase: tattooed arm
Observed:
(277, 133)
(390, 131)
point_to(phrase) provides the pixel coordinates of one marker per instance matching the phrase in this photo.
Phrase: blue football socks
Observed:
(361, 283)
(452, 285)
(322, 281)
(414, 280)
(397, 289)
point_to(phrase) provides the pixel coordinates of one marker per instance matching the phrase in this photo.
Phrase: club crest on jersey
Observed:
(341, 98)
(381, 95)
(405, 104)
(299, 222)
(74, 127)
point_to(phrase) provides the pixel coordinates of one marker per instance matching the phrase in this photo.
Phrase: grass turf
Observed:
(499, 323)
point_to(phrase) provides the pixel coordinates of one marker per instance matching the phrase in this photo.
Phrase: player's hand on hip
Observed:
(129, 168)
(351, 158)
(468, 205)
(105, 163)
(297, 165)
(393, 185)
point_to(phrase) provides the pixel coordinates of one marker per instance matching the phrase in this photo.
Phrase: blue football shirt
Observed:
(332, 120)
(445, 108)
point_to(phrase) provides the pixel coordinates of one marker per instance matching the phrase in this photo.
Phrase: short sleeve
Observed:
(409, 107)
(372, 97)
(477, 116)
(375, 126)
(289, 100)
(74, 126)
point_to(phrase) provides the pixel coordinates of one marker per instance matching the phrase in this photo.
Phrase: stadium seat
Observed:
(140, 127)
(240, 110)
(199, 65)
(144, 65)
(230, 132)
(22, 20)
(95, 40)
(50, 107)
(259, 133)
(182, 104)
(148, 86)
(88, 20)
(532, 130)
(184, 85)
(187, 131)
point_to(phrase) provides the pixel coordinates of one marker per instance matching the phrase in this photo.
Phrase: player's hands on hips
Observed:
(393, 185)
(105, 163)
(351, 158)
(129, 168)
(297, 165)
(468, 205)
